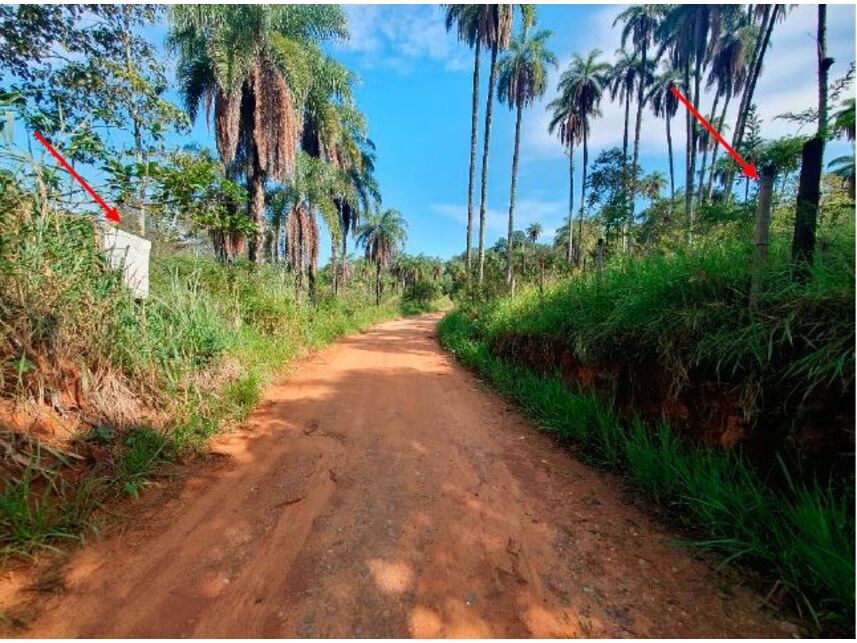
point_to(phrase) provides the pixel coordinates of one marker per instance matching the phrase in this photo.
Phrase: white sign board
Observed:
(130, 253)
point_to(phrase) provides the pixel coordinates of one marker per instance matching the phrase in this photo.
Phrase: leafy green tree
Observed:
(191, 189)
(82, 73)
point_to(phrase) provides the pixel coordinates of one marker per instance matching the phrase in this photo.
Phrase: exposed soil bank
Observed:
(384, 492)
(817, 431)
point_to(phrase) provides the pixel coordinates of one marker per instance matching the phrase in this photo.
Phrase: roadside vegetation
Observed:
(693, 331)
(100, 394)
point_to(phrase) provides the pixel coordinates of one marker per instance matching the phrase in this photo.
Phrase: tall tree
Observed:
(251, 62)
(382, 236)
(809, 189)
(523, 74)
(496, 35)
(623, 78)
(581, 88)
(684, 32)
(641, 22)
(472, 22)
(665, 104)
(333, 131)
(767, 16)
(566, 123)
(730, 61)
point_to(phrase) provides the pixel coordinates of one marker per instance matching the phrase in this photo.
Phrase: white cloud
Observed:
(549, 213)
(787, 83)
(396, 37)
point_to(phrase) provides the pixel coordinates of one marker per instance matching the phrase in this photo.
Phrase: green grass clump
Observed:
(803, 535)
(689, 311)
(199, 351)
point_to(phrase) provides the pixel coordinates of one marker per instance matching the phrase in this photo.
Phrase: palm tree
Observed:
(665, 105)
(581, 87)
(533, 232)
(382, 236)
(358, 190)
(623, 77)
(313, 186)
(640, 26)
(497, 33)
(566, 122)
(729, 61)
(767, 16)
(251, 63)
(843, 120)
(523, 75)
(473, 21)
(333, 131)
(843, 125)
(843, 167)
(685, 31)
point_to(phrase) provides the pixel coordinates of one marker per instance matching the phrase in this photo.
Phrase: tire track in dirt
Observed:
(383, 491)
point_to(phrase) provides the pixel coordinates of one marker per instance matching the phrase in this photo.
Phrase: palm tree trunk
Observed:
(709, 141)
(334, 265)
(570, 201)
(750, 87)
(688, 157)
(492, 81)
(512, 196)
(257, 215)
(710, 187)
(377, 283)
(641, 86)
(579, 251)
(474, 127)
(824, 64)
(672, 166)
(812, 154)
(697, 77)
(625, 135)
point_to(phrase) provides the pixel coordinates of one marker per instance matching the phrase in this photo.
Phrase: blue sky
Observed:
(415, 91)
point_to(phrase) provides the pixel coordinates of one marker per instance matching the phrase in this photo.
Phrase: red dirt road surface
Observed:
(383, 491)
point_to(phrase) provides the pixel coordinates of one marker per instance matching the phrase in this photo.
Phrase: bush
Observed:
(422, 292)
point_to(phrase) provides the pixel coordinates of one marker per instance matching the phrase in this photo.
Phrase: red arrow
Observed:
(748, 168)
(112, 213)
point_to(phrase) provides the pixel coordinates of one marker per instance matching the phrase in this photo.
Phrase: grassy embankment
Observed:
(688, 314)
(147, 384)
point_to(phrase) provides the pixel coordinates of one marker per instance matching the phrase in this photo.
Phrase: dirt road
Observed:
(384, 492)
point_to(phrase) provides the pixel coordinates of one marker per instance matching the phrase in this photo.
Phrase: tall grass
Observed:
(160, 377)
(803, 535)
(690, 312)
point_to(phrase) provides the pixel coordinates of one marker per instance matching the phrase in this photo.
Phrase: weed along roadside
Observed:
(161, 377)
(784, 515)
